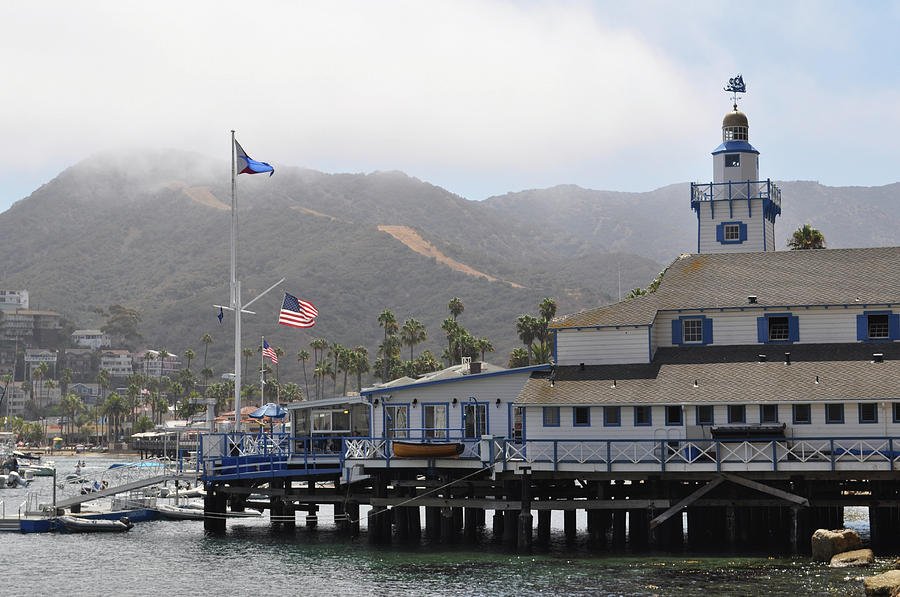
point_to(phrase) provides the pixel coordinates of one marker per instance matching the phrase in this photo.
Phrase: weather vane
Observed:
(736, 86)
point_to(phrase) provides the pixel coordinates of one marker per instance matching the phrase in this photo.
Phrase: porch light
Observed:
(375, 402)
(415, 402)
(454, 402)
(498, 403)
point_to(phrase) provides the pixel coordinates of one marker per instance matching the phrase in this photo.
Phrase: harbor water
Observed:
(178, 558)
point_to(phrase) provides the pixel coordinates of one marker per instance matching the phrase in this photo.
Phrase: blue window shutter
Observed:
(707, 331)
(743, 232)
(676, 331)
(720, 233)
(862, 330)
(762, 329)
(794, 328)
(894, 326)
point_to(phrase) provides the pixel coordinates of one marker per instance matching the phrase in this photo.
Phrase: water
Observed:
(178, 558)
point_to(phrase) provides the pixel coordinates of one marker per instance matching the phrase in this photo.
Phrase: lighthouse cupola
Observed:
(737, 210)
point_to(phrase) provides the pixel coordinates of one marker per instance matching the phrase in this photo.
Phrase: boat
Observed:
(180, 512)
(14, 480)
(427, 450)
(39, 470)
(77, 524)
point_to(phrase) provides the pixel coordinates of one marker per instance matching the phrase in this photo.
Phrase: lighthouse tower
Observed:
(736, 212)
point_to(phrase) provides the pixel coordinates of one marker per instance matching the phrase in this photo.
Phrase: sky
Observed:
(478, 97)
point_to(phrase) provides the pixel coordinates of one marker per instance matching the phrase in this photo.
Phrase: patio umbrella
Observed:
(270, 410)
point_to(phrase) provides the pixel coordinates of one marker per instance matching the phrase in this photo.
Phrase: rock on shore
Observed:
(883, 585)
(825, 543)
(857, 557)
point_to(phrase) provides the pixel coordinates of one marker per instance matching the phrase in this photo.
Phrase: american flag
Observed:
(297, 313)
(270, 353)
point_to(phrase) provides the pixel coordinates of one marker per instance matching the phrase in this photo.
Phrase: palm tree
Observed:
(65, 379)
(189, 356)
(39, 372)
(291, 392)
(456, 307)
(806, 237)
(206, 372)
(207, 339)
(248, 354)
(302, 357)
(319, 346)
(103, 381)
(426, 363)
(391, 327)
(345, 364)
(334, 353)
(635, 292)
(279, 352)
(412, 333)
(518, 358)
(527, 328)
(452, 330)
(114, 407)
(484, 345)
(360, 364)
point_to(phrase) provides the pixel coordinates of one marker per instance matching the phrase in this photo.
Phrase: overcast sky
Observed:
(479, 97)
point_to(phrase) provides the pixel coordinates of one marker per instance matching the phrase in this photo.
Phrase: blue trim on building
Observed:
(669, 409)
(678, 330)
(874, 406)
(834, 420)
(732, 415)
(796, 421)
(734, 146)
(649, 416)
(895, 411)
(446, 424)
(544, 412)
(762, 328)
(618, 411)
(742, 233)
(712, 414)
(389, 389)
(862, 326)
(575, 422)
(762, 418)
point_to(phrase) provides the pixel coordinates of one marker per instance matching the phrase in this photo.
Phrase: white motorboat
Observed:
(77, 524)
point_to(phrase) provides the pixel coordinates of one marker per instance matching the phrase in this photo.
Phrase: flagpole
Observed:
(235, 292)
(262, 372)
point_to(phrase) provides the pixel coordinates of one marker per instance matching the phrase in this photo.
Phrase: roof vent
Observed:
(878, 357)
(787, 358)
(751, 299)
(761, 358)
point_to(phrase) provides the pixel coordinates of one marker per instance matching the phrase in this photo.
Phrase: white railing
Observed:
(748, 189)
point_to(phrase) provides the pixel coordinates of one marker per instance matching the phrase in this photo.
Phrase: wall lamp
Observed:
(415, 401)
(375, 402)
(498, 403)
(455, 402)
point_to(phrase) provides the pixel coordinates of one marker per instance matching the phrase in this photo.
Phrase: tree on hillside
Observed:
(806, 237)
(189, 356)
(121, 323)
(456, 307)
(302, 357)
(518, 358)
(387, 320)
(207, 339)
(360, 364)
(412, 333)
(484, 345)
(247, 353)
(527, 328)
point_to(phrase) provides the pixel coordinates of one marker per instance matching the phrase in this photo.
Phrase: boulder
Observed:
(882, 585)
(857, 557)
(826, 543)
(896, 565)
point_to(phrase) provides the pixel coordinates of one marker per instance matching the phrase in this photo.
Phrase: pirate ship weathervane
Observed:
(735, 86)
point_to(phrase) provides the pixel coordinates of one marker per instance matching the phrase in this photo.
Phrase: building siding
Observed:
(608, 346)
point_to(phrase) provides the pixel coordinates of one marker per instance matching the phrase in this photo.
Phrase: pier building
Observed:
(749, 399)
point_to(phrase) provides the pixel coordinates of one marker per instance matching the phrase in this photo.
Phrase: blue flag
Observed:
(220, 315)
(247, 165)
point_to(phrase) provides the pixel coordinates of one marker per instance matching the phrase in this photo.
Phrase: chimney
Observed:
(475, 367)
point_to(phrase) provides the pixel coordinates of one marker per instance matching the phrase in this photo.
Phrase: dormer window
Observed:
(732, 160)
(878, 326)
(735, 133)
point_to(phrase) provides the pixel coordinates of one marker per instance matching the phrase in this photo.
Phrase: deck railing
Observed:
(249, 455)
(748, 189)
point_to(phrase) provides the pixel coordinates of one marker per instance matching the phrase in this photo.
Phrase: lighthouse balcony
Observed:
(727, 191)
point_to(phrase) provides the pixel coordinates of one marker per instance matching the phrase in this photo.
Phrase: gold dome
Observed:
(735, 118)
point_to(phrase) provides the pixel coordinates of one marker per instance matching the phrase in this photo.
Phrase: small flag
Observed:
(297, 313)
(221, 314)
(268, 352)
(247, 165)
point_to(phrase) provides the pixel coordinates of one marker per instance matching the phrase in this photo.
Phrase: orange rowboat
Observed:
(425, 450)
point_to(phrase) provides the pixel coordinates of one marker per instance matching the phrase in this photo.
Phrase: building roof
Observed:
(834, 277)
(732, 374)
(450, 374)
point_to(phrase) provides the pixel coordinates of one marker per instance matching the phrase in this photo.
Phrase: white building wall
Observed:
(606, 346)
(749, 212)
(817, 325)
(488, 390)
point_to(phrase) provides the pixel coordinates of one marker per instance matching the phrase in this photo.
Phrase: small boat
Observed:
(427, 450)
(180, 512)
(77, 524)
(39, 470)
(14, 480)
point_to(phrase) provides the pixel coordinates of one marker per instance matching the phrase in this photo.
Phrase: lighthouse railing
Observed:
(725, 191)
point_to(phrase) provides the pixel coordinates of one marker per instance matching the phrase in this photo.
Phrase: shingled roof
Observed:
(732, 374)
(777, 279)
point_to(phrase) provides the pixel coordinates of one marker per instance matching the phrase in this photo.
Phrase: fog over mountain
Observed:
(150, 230)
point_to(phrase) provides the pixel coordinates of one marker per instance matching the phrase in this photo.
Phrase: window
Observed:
(692, 329)
(834, 413)
(673, 415)
(868, 412)
(736, 133)
(896, 412)
(768, 413)
(612, 416)
(732, 160)
(802, 414)
(581, 416)
(878, 326)
(551, 416)
(642, 416)
(705, 415)
(778, 328)
(475, 419)
(518, 423)
(731, 233)
(737, 413)
(434, 420)
(395, 421)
